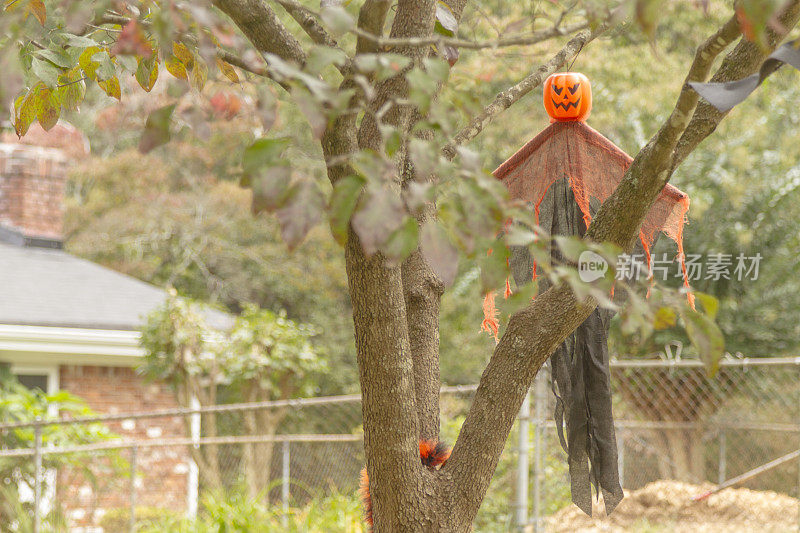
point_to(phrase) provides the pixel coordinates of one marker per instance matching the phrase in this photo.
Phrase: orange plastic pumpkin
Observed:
(567, 97)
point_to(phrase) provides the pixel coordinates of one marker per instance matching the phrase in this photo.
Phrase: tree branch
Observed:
(535, 331)
(258, 70)
(510, 96)
(308, 22)
(371, 18)
(521, 40)
(260, 24)
(745, 59)
(373, 15)
(314, 29)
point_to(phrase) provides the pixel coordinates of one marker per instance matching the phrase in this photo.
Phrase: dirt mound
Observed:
(667, 506)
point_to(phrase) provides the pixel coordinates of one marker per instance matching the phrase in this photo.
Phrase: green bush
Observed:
(236, 513)
(119, 519)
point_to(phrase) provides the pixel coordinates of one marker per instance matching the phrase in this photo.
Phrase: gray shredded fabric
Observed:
(725, 95)
(580, 373)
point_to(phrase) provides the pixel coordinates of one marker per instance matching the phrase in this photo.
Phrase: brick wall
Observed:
(32, 183)
(32, 178)
(163, 472)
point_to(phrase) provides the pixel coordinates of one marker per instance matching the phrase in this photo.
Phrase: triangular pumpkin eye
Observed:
(574, 88)
(557, 90)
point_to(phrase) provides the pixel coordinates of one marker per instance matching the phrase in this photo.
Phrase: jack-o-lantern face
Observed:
(567, 97)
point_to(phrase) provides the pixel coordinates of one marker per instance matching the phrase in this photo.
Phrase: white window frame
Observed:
(53, 385)
(53, 381)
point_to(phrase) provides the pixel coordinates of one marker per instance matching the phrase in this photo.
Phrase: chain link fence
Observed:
(673, 422)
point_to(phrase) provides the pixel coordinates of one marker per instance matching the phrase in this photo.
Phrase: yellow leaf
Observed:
(38, 10)
(88, 66)
(24, 114)
(199, 75)
(228, 70)
(176, 67)
(71, 89)
(147, 72)
(180, 51)
(111, 87)
(46, 105)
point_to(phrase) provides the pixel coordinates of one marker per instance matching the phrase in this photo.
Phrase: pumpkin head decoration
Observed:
(567, 97)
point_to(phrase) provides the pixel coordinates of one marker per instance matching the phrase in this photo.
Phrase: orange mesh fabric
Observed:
(593, 166)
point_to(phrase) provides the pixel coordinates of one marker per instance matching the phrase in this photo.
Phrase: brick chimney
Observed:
(33, 172)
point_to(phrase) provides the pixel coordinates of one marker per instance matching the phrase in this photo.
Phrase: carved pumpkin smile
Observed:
(567, 97)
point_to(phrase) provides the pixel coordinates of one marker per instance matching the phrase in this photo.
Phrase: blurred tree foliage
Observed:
(177, 217)
(265, 356)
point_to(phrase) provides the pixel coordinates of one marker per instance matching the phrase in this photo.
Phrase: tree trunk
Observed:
(251, 473)
(388, 400)
(207, 469)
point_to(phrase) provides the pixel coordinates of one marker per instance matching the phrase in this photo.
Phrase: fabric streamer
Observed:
(725, 95)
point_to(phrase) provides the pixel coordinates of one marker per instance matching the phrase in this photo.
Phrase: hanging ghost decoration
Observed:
(564, 174)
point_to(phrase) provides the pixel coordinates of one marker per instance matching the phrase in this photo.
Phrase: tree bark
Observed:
(386, 374)
(422, 292)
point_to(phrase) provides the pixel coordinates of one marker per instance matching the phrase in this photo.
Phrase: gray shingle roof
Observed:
(45, 287)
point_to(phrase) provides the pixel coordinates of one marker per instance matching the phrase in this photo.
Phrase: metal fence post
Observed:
(723, 457)
(621, 457)
(134, 454)
(37, 482)
(521, 517)
(285, 483)
(539, 399)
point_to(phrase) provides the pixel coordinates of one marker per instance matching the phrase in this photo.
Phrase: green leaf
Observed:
(570, 247)
(337, 20)
(156, 129)
(45, 71)
(320, 57)
(87, 64)
(263, 153)
(147, 72)
(664, 318)
(436, 68)
(302, 211)
(519, 235)
(402, 242)
(446, 23)
(494, 268)
(648, 13)
(79, 41)
(383, 66)
(105, 65)
(710, 304)
(440, 253)
(379, 214)
(343, 201)
(57, 57)
(271, 188)
(706, 337)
